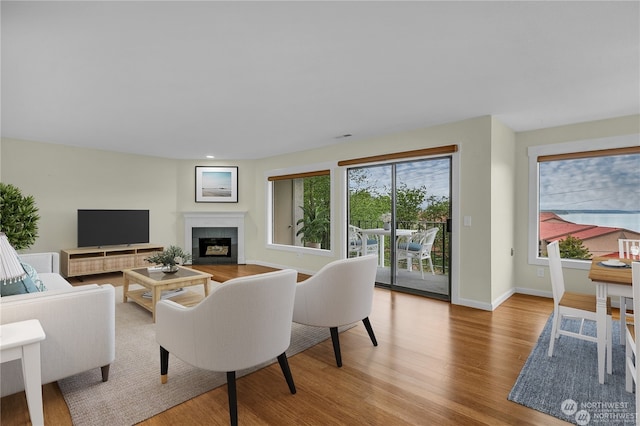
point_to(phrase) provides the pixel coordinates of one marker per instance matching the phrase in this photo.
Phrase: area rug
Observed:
(133, 392)
(566, 385)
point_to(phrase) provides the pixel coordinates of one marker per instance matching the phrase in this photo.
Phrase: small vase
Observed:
(169, 269)
(386, 226)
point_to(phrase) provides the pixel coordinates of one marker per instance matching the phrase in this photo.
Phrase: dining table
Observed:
(384, 232)
(612, 277)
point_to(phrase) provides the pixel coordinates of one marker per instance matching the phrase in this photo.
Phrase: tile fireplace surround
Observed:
(215, 220)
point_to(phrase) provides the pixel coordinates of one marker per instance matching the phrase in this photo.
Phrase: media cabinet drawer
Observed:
(85, 267)
(118, 263)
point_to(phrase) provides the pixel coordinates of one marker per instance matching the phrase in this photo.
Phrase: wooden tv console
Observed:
(87, 261)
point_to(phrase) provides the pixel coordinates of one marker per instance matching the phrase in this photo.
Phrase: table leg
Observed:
(125, 287)
(206, 286)
(156, 294)
(33, 381)
(381, 254)
(601, 315)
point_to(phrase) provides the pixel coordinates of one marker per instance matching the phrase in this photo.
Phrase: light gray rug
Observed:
(566, 385)
(134, 392)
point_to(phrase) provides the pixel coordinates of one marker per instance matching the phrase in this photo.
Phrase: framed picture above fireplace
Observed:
(216, 184)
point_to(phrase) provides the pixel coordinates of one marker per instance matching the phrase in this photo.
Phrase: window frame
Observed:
(300, 250)
(613, 142)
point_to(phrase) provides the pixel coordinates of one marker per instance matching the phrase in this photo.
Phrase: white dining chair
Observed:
(573, 305)
(627, 249)
(632, 334)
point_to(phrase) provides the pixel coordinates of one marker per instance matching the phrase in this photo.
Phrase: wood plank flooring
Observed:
(436, 364)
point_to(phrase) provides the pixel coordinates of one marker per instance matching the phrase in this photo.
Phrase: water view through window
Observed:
(591, 202)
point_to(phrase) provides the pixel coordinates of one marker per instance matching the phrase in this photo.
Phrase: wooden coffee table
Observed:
(156, 282)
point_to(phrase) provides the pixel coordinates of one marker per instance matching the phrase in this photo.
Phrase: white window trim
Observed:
(269, 208)
(562, 148)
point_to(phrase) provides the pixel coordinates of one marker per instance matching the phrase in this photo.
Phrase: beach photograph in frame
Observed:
(216, 184)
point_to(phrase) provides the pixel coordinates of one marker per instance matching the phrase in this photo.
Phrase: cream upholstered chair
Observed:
(357, 244)
(572, 305)
(417, 246)
(632, 333)
(627, 249)
(242, 323)
(340, 293)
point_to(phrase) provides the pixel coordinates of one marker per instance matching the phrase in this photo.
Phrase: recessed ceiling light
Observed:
(211, 156)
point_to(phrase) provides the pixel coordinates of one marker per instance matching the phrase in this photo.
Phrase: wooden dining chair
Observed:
(627, 249)
(573, 305)
(632, 334)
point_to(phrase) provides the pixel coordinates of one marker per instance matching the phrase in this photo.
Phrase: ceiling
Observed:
(246, 80)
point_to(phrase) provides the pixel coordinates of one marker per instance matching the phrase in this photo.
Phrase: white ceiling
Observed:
(243, 80)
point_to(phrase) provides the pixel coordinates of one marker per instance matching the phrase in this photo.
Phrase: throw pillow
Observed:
(25, 285)
(33, 274)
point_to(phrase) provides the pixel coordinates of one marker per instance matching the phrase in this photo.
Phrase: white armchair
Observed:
(242, 323)
(340, 293)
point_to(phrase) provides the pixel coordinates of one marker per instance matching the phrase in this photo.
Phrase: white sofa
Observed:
(79, 323)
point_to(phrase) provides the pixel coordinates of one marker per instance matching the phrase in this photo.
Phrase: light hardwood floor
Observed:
(436, 364)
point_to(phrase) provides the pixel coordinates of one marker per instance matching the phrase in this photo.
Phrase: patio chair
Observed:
(417, 246)
(356, 243)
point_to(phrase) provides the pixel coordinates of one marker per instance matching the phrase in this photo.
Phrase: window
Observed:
(585, 195)
(300, 209)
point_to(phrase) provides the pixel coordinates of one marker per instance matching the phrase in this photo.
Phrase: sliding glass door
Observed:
(401, 211)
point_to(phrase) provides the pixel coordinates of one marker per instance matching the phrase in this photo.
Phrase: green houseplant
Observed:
(18, 217)
(170, 259)
(315, 225)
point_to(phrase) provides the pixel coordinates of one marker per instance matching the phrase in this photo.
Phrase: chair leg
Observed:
(105, 372)
(336, 345)
(623, 319)
(164, 364)
(628, 372)
(367, 325)
(284, 366)
(609, 344)
(554, 330)
(233, 399)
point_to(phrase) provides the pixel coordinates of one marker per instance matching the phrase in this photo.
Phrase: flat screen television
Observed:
(98, 228)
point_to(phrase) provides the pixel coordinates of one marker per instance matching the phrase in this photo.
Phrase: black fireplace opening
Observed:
(214, 247)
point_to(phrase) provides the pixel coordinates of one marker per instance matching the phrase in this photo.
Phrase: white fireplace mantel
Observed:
(215, 220)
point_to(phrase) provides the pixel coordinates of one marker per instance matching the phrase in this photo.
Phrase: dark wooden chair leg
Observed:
(233, 400)
(105, 372)
(164, 364)
(336, 345)
(284, 366)
(367, 325)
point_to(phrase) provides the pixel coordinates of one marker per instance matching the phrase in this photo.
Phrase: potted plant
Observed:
(170, 259)
(315, 225)
(18, 217)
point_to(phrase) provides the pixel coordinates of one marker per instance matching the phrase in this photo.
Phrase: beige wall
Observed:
(492, 190)
(63, 179)
(503, 191)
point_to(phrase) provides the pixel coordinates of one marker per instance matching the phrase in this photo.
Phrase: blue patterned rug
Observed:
(566, 385)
